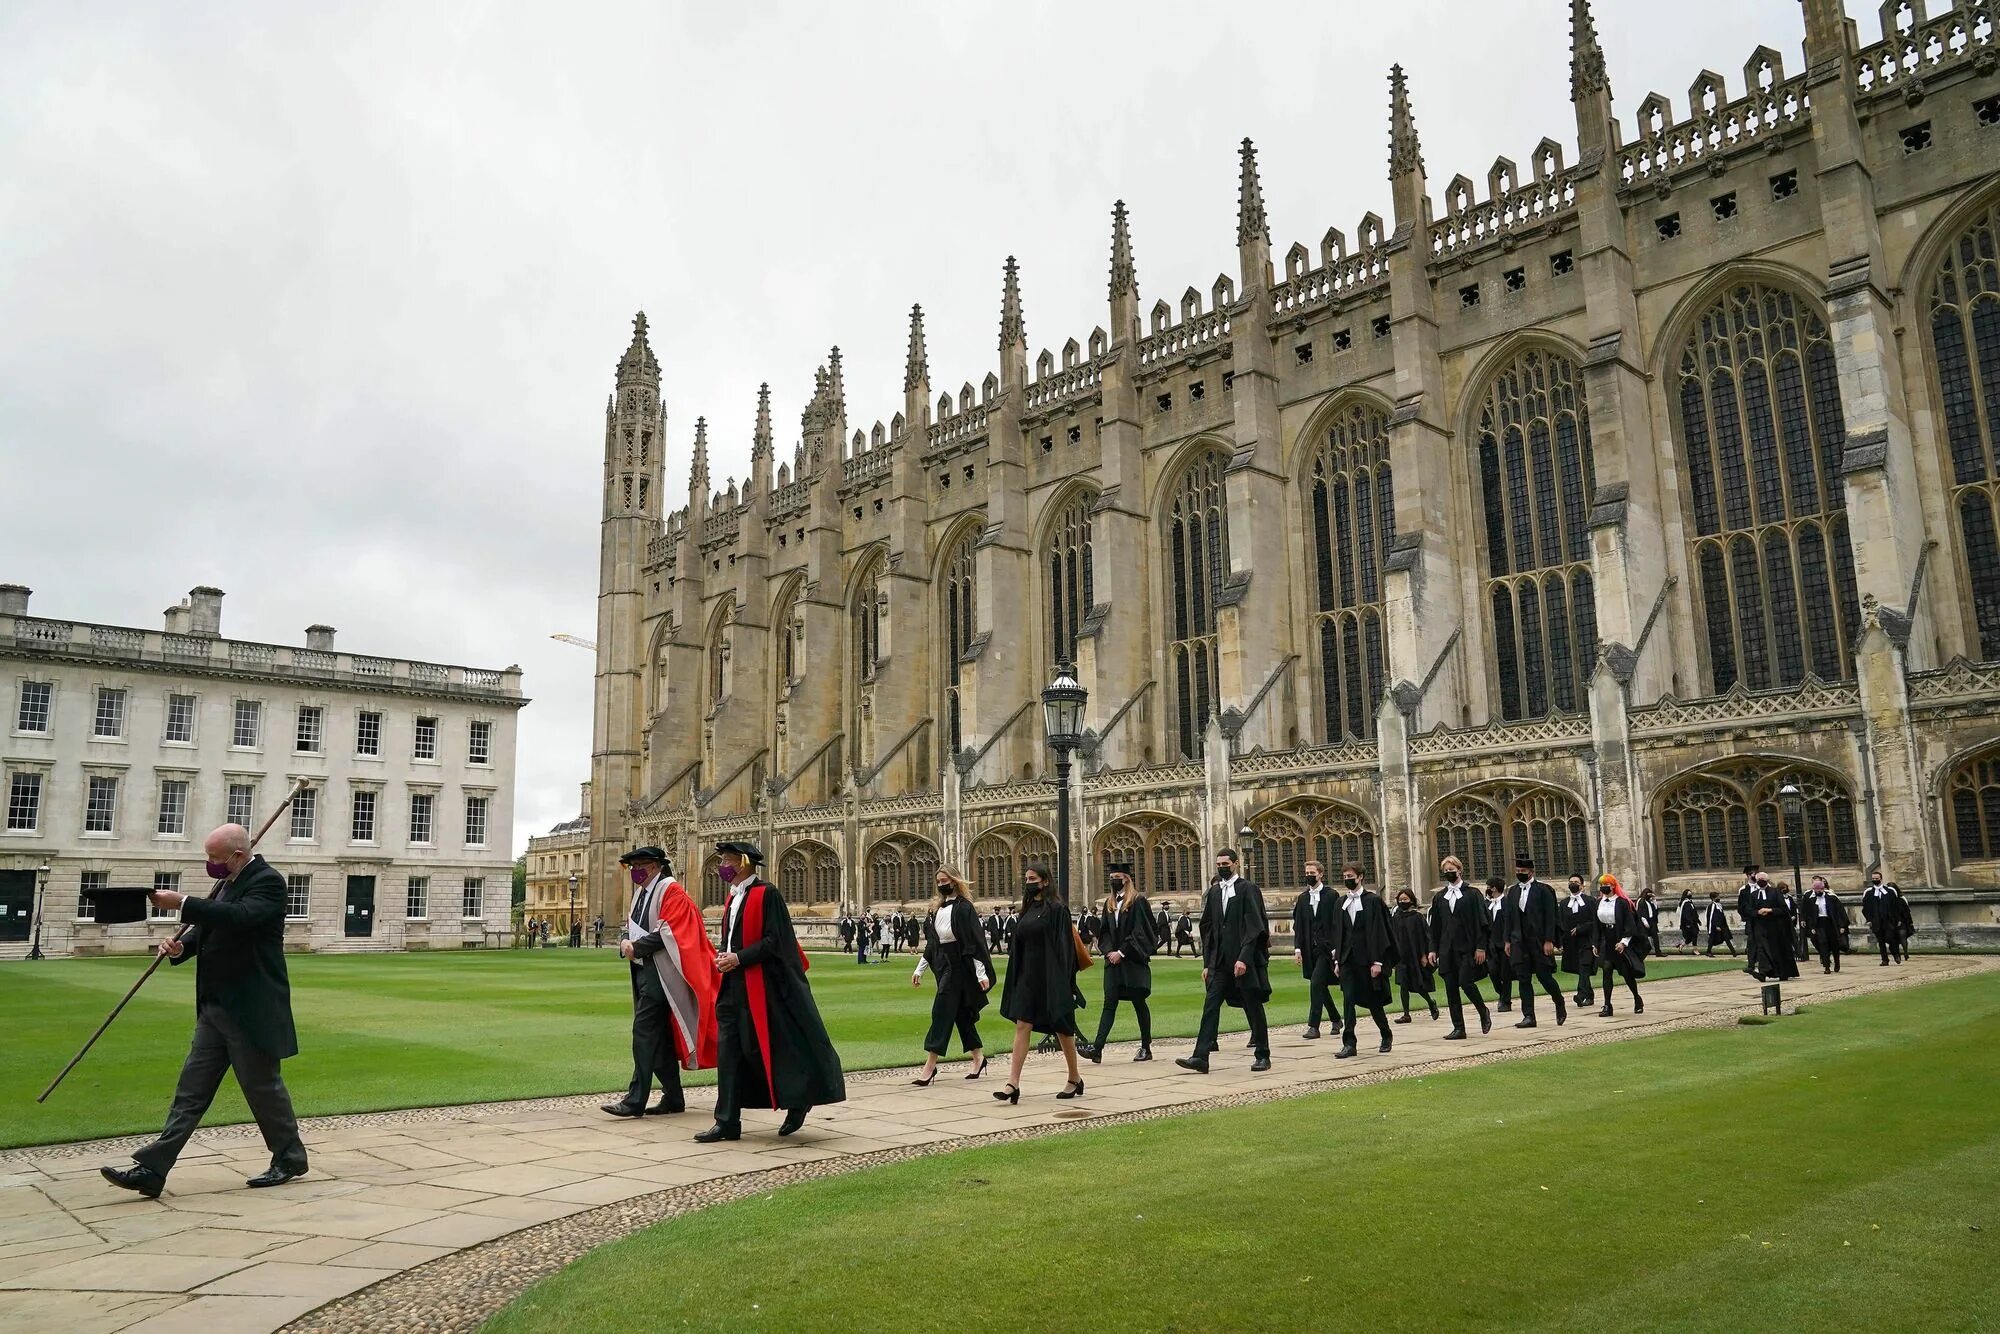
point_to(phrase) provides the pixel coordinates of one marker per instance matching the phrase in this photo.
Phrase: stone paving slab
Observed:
(434, 1188)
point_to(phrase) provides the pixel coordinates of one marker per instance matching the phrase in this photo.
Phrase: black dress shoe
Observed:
(1505, 1007)
(1198, 1064)
(1526, 1023)
(794, 1118)
(1144, 1053)
(1604, 1013)
(621, 1109)
(1562, 1012)
(1346, 1050)
(1485, 1024)
(1312, 1033)
(665, 1108)
(1402, 1019)
(1456, 1035)
(1260, 1065)
(718, 1132)
(1387, 1042)
(141, 1179)
(1091, 1051)
(274, 1176)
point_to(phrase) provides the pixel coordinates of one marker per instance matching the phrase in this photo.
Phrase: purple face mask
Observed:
(728, 874)
(640, 878)
(216, 870)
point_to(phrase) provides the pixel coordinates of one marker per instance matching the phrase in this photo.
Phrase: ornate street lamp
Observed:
(1062, 721)
(573, 938)
(1793, 803)
(41, 901)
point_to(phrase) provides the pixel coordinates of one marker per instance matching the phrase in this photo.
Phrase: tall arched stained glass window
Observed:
(718, 656)
(1762, 434)
(1965, 350)
(1352, 511)
(959, 615)
(1066, 565)
(1197, 556)
(1535, 479)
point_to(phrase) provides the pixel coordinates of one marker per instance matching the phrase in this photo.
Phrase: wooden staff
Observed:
(159, 956)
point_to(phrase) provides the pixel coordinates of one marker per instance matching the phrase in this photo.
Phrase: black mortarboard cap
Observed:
(114, 907)
(1524, 862)
(748, 850)
(649, 853)
(1118, 868)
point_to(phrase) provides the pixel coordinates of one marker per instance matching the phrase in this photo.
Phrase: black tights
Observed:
(1427, 1000)
(1631, 984)
(1110, 1016)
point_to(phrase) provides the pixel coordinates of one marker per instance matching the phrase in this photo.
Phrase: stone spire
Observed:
(638, 365)
(1405, 153)
(1124, 274)
(760, 441)
(698, 469)
(836, 391)
(916, 367)
(1586, 58)
(1013, 328)
(1250, 223)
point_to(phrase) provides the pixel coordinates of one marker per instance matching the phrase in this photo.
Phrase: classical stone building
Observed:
(123, 747)
(553, 859)
(1577, 508)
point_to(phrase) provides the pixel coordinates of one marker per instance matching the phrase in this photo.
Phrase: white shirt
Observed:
(947, 937)
(1575, 901)
(1312, 899)
(1353, 905)
(1819, 900)
(729, 918)
(1228, 891)
(1451, 896)
(1607, 911)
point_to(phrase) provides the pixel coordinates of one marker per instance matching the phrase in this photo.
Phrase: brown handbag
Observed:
(1083, 959)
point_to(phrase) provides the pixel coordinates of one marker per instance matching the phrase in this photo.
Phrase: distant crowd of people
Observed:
(537, 932)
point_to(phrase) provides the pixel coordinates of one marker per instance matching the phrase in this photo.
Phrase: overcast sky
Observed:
(320, 304)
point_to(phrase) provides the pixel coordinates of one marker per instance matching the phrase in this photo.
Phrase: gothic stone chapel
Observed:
(1575, 510)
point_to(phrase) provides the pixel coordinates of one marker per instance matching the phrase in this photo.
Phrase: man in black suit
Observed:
(1183, 934)
(1312, 948)
(1364, 956)
(1882, 908)
(1235, 938)
(1528, 923)
(242, 1012)
(1458, 946)
(1753, 877)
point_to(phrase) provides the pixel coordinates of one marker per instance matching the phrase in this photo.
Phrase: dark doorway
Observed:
(361, 905)
(17, 904)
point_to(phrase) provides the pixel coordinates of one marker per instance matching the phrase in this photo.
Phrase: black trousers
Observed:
(739, 1066)
(946, 1015)
(1110, 1016)
(1585, 993)
(1319, 988)
(1631, 984)
(1354, 982)
(219, 1045)
(1536, 967)
(652, 1041)
(1460, 977)
(1211, 1018)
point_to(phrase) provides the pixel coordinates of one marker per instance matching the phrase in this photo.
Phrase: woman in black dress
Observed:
(955, 952)
(1690, 921)
(1126, 930)
(1040, 993)
(1413, 947)
(1621, 942)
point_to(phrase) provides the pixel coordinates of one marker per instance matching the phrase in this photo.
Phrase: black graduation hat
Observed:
(648, 853)
(1118, 868)
(115, 907)
(1523, 862)
(741, 849)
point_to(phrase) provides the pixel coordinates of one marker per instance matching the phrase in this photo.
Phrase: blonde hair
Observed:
(1452, 864)
(958, 882)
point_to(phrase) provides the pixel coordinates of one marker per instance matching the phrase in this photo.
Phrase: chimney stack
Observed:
(586, 796)
(14, 599)
(177, 618)
(205, 611)
(320, 637)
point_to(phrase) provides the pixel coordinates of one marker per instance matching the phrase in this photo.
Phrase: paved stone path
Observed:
(392, 1191)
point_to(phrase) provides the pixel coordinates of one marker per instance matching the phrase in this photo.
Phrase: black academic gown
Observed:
(1238, 933)
(1459, 934)
(1359, 943)
(1579, 935)
(1771, 937)
(238, 938)
(1498, 966)
(1752, 925)
(1528, 930)
(1312, 934)
(1413, 946)
(1627, 926)
(1718, 924)
(951, 963)
(1040, 988)
(804, 1067)
(1829, 930)
(1128, 933)
(1690, 924)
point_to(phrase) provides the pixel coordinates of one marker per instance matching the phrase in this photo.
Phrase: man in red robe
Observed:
(772, 1048)
(673, 986)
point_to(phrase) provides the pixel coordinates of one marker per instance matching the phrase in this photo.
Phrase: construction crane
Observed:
(575, 641)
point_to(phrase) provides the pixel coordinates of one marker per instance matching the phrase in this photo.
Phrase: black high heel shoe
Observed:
(925, 1082)
(1010, 1094)
(1066, 1094)
(984, 1061)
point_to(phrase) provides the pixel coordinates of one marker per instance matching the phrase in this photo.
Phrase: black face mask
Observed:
(1349, 881)
(1311, 879)
(1524, 876)
(1576, 889)
(1451, 877)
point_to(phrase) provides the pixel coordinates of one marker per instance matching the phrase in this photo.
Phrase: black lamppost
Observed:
(1793, 803)
(573, 938)
(1062, 720)
(41, 901)
(1244, 838)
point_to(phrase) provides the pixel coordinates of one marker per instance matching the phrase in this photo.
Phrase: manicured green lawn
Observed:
(1837, 1170)
(416, 1030)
